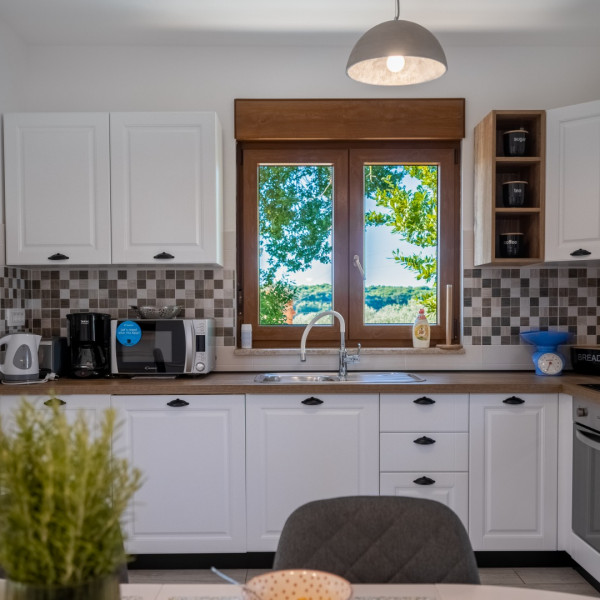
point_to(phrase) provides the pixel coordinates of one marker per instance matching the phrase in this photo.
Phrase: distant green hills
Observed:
(385, 299)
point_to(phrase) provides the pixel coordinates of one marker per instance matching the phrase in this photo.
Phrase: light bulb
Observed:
(395, 64)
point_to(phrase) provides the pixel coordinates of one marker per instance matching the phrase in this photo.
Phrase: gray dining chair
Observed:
(378, 539)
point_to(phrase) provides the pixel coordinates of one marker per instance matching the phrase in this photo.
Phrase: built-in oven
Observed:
(586, 471)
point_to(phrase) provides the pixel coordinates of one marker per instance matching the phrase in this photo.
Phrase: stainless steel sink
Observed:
(352, 377)
(295, 377)
(382, 377)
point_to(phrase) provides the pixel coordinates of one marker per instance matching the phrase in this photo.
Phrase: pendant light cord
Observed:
(397, 10)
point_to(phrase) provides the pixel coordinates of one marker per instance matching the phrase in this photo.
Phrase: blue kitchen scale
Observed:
(546, 358)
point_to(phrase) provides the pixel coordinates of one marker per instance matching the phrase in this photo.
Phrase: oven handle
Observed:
(587, 438)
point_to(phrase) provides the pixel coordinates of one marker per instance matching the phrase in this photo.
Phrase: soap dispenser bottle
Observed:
(421, 331)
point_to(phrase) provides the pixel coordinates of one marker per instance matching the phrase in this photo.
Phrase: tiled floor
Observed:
(561, 579)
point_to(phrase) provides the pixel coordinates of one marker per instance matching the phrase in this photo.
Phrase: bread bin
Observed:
(586, 359)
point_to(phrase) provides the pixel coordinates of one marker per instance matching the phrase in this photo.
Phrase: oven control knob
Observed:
(200, 366)
(582, 411)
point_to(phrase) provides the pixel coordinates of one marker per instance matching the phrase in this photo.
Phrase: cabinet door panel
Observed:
(513, 473)
(298, 453)
(166, 187)
(573, 182)
(57, 188)
(192, 458)
(92, 405)
(403, 452)
(451, 489)
(436, 412)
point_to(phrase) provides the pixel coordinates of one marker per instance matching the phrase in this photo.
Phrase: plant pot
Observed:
(103, 588)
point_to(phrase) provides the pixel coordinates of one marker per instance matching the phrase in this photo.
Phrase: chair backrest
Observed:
(378, 539)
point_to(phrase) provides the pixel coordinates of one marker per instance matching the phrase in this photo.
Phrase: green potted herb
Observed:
(62, 495)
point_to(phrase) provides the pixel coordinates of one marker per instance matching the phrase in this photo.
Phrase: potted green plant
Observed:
(62, 496)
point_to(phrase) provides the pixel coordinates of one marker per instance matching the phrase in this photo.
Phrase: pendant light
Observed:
(396, 53)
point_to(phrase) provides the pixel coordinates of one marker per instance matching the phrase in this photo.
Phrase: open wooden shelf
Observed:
(492, 170)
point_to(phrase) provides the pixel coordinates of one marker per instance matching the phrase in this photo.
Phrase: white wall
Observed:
(210, 78)
(193, 78)
(13, 54)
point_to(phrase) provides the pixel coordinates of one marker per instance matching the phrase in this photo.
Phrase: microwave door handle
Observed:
(190, 342)
(587, 438)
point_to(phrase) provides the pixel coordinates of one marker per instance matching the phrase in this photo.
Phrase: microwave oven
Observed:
(162, 346)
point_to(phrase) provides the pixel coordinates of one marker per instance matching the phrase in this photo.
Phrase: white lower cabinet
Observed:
(191, 453)
(301, 448)
(513, 471)
(221, 473)
(424, 448)
(93, 405)
(451, 489)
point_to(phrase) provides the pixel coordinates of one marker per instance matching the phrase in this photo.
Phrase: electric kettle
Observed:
(20, 362)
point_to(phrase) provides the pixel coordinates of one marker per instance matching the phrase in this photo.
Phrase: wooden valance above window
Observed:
(351, 119)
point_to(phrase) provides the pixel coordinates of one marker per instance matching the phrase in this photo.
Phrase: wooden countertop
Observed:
(487, 382)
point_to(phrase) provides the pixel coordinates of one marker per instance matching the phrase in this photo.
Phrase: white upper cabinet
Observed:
(573, 183)
(121, 188)
(166, 191)
(57, 182)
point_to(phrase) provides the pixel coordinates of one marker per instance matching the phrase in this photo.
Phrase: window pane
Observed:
(400, 242)
(295, 242)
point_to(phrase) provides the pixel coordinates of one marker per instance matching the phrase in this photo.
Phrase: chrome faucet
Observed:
(345, 358)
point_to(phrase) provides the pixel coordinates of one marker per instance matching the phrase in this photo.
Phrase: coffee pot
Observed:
(20, 362)
(89, 343)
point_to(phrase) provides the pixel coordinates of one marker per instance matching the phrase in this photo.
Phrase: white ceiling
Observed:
(333, 22)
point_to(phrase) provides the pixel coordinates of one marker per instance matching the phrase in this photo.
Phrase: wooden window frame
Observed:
(444, 155)
(315, 128)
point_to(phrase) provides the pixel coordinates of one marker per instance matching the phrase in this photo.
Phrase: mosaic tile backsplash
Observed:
(49, 295)
(498, 303)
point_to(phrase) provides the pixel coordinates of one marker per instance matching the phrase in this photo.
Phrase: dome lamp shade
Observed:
(396, 52)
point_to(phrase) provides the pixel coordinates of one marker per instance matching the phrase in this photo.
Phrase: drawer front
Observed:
(451, 489)
(407, 452)
(424, 412)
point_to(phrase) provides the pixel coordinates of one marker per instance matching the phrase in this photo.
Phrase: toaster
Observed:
(53, 356)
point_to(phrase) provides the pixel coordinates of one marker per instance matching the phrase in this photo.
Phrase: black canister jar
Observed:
(515, 142)
(511, 245)
(514, 193)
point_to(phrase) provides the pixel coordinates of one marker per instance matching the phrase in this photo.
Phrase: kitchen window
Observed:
(367, 228)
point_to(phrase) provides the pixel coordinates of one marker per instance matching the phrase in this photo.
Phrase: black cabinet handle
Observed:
(424, 441)
(177, 403)
(312, 401)
(54, 402)
(513, 400)
(424, 480)
(164, 256)
(423, 400)
(58, 256)
(580, 252)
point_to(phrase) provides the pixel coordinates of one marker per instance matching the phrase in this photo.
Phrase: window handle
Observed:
(356, 261)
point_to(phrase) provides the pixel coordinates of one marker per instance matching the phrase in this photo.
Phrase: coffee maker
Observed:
(89, 344)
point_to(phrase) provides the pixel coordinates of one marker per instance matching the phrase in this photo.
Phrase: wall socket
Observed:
(15, 317)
